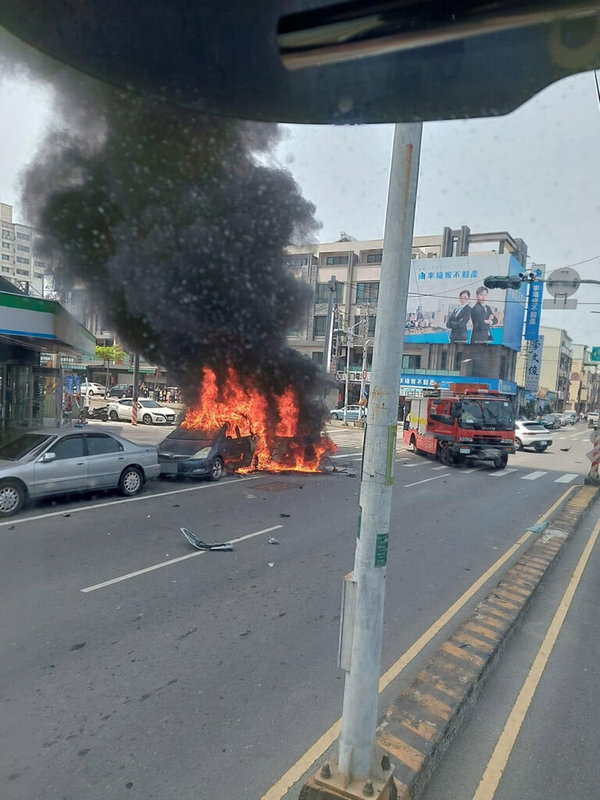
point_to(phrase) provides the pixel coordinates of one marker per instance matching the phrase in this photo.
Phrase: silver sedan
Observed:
(52, 462)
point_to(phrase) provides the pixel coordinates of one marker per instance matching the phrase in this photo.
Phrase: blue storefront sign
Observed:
(411, 384)
(534, 311)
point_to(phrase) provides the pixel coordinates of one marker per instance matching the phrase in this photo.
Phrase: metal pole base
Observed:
(329, 784)
(592, 480)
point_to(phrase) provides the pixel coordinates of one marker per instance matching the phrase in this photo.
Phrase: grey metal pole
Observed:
(349, 342)
(329, 326)
(357, 739)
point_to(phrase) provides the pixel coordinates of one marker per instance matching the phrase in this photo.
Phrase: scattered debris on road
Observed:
(270, 563)
(273, 540)
(284, 515)
(200, 545)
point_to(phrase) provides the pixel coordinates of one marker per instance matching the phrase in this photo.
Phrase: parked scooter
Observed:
(101, 413)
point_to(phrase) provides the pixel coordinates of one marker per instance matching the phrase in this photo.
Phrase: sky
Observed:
(534, 173)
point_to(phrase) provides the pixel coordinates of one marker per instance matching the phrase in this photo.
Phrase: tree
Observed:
(108, 354)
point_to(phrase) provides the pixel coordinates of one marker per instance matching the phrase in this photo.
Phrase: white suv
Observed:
(92, 389)
(531, 434)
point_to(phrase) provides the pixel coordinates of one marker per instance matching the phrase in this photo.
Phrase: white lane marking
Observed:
(502, 473)
(438, 468)
(567, 477)
(533, 476)
(426, 480)
(413, 464)
(346, 455)
(135, 499)
(472, 469)
(173, 561)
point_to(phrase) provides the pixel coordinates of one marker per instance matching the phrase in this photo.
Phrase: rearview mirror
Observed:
(47, 457)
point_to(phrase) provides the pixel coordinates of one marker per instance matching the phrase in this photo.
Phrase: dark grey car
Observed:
(53, 462)
(205, 454)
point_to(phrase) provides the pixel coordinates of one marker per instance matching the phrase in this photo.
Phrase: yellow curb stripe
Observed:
(466, 638)
(436, 707)
(483, 630)
(426, 730)
(408, 755)
(463, 653)
(497, 763)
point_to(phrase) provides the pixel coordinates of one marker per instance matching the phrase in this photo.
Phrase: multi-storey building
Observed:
(555, 369)
(20, 261)
(442, 267)
(585, 377)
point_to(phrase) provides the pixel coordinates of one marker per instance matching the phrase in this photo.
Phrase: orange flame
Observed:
(275, 428)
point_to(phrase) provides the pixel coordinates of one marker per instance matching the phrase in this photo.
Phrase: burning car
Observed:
(235, 428)
(205, 453)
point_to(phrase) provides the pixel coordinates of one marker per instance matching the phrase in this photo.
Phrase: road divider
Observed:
(426, 715)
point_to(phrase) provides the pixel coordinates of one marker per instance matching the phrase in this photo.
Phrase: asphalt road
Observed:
(125, 675)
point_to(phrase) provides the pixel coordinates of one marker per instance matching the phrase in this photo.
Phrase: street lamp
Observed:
(349, 334)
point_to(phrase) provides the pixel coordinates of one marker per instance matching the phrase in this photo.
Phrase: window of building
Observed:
(374, 258)
(41, 264)
(411, 362)
(6, 245)
(317, 356)
(502, 369)
(5, 269)
(23, 248)
(6, 234)
(22, 271)
(332, 261)
(293, 332)
(372, 319)
(319, 326)
(297, 261)
(24, 236)
(5, 257)
(458, 361)
(22, 260)
(367, 292)
(322, 293)
(444, 360)
(39, 274)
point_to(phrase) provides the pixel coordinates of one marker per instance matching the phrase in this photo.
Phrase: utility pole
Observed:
(349, 343)
(329, 327)
(361, 771)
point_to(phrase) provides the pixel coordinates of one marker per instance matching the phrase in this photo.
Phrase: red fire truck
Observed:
(468, 421)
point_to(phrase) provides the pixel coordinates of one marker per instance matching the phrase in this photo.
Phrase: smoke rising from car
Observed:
(177, 224)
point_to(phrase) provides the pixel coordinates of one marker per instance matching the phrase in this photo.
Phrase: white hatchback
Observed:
(531, 434)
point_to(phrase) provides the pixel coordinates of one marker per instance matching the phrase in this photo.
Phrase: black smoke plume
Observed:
(177, 223)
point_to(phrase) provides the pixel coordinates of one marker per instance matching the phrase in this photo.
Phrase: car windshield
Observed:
(336, 323)
(21, 446)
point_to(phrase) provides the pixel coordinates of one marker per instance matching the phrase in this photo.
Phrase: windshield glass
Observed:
(487, 413)
(21, 446)
(150, 404)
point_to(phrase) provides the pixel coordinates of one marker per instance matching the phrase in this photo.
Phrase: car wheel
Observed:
(12, 498)
(501, 461)
(90, 393)
(518, 444)
(104, 417)
(540, 448)
(216, 470)
(113, 415)
(446, 456)
(334, 416)
(131, 481)
(147, 419)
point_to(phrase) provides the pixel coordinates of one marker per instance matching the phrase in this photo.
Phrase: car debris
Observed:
(200, 545)
(273, 540)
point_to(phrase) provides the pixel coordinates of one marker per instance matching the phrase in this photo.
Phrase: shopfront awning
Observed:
(42, 325)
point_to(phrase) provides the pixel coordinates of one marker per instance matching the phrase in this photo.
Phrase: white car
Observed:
(92, 389)
(532, 434)
(149, 411)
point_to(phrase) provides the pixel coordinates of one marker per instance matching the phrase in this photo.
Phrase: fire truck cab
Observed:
(468, 421)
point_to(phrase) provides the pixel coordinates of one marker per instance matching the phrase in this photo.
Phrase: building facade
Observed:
(442, 267)
(555, 369)
(20, 261)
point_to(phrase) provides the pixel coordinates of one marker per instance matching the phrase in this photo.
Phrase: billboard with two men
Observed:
(448, 302)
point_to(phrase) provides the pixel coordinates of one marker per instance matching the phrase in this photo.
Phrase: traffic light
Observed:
(502, 282)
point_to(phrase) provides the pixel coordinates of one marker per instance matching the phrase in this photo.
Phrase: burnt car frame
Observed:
(205, 454)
